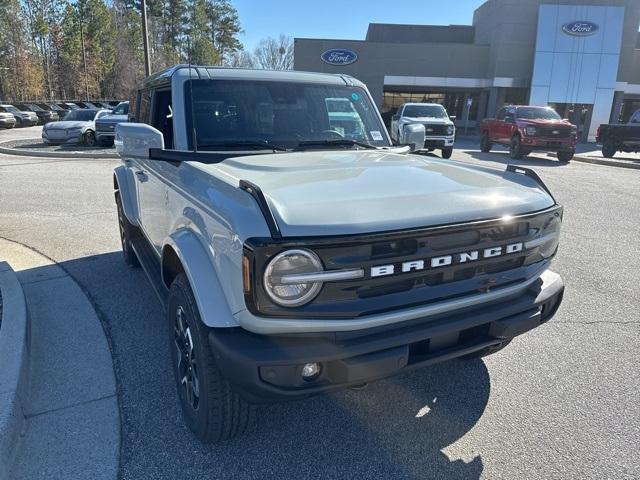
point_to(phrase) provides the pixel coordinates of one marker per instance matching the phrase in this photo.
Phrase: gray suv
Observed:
(296, 251)
(106, 125)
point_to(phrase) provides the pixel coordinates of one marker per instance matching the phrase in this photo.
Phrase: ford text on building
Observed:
(582, 57)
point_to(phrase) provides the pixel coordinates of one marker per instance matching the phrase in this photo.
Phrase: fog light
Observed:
(310, 370)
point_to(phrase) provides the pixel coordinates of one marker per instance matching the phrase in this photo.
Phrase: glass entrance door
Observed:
(578, 113)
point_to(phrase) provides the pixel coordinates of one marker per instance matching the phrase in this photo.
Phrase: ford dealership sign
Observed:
(580, 29)
(339, 56)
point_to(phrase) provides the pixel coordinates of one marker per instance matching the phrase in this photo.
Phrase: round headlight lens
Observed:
(277, 277)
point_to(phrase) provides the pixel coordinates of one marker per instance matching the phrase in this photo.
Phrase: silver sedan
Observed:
(78, 127)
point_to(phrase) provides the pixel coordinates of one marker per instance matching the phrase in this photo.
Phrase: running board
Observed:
(151, 265)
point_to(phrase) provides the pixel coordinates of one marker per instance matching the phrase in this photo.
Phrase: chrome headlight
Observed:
(450, 129)
(548, 238)
(530, 131)
(284, 277)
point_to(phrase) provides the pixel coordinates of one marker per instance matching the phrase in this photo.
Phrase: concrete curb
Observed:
(14, 362)
(32, 153)
(603, 161)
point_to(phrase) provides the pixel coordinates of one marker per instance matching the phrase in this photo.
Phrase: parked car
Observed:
(23, 119)
(524, 129)
(7, 120)
(69, 106)
(622, 137)
(106, 125)
(292, 261)
(78, 127)
(44, 116)
(440, 130)
(54, 107)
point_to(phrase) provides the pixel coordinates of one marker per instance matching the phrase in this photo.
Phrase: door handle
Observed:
(142, 175)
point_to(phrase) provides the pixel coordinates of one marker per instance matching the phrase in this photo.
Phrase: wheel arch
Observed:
(184, 253)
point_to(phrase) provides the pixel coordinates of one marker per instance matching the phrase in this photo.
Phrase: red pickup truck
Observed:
(527, 128)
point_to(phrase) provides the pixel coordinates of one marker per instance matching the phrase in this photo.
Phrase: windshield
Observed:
(416, 111)
(532, 113)
(121, 109)
(286, 114)
(81, 115)
(11, 108)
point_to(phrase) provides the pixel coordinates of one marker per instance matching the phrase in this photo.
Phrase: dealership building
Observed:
(581, 57)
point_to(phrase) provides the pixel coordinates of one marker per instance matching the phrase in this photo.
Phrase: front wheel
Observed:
(446, 152)
(211, 408)
(89, 138)
(566, 155)
(609, 149)
(515, 148)
(485, 144)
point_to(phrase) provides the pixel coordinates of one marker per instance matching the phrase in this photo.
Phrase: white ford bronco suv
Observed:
(297, 251)
(439, 129)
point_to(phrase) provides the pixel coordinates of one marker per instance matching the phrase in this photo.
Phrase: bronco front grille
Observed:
(375, 294)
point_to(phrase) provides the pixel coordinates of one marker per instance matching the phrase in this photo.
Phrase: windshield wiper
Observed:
(344, 142)
(244, 143)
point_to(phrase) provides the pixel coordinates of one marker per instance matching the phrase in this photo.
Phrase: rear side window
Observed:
(144, 107)
(636, 117)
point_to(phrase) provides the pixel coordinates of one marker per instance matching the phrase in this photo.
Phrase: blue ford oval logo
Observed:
(580, 29)
(339, 56)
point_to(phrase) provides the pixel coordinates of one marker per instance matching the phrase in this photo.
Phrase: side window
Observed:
(501, 114)
(144, 106)
(636, 117)
(162, 116)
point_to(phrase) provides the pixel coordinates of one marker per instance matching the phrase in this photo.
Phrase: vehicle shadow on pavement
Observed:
(503, 157)
(394, 428)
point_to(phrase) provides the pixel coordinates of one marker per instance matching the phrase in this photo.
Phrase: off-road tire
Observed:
(446, 152)
(485, 352)
(89, 138)
(565, 156)
(485, 144)
(126, 234)
(515, 148)
(220, 413)
(609, 149)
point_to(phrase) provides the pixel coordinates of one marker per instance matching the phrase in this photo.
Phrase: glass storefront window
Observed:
(453, 102)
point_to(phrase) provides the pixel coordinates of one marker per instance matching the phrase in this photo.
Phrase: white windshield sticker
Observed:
(376, 135)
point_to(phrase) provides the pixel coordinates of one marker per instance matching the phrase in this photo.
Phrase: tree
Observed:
(224, 27)
(274, 54)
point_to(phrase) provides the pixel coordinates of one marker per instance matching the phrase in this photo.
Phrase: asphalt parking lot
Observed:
(560, 402)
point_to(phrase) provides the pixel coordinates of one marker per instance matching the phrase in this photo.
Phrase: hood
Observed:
(351, 192)
(433, 120)
(539, 121)
(66, 125)
(113, 119)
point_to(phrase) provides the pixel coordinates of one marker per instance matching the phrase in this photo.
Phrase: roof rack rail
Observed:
(530, 173)
(256, 193)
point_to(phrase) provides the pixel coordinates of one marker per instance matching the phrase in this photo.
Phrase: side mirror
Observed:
(414, 136)
(135, 139)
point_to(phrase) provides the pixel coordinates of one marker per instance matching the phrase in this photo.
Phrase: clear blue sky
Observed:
(342, 18)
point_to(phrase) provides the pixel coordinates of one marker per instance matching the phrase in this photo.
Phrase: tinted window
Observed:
(537, 113)
(501, 114)
(144, 106)
(81, 115)
(416, 111)
(635, 118)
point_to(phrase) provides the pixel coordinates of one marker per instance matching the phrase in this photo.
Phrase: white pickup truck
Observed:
(297, 251)
(440, 131)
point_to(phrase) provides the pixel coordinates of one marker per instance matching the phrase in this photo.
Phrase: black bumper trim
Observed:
(267, 368)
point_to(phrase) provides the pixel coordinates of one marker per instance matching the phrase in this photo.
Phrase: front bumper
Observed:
(105, 135)
(7, 122)
(267, 368)
(70, 140)
(28, 122)
(439, 142)
(550, 144)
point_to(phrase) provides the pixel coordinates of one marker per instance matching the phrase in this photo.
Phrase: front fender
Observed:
(124, 183)
(203, 278)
